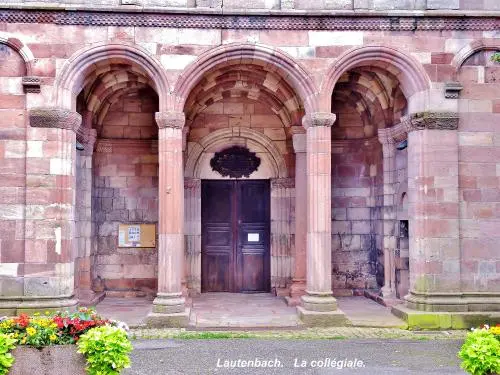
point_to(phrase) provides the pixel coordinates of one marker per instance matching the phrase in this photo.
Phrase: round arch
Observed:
(410, 72)
(271, 58)
(475, 46)
(72, 77)
(223, 138)
(20, 48)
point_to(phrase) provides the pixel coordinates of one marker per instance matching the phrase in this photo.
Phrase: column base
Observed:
(30, 305)
(424, 320)
(297, 290)
(89, 297)
(316, 301)
(453, 302)
(169, 310)
(335, 318)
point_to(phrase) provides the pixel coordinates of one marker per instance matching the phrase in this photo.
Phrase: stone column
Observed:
(298, 287)
(388, 214)
(169, 305)
(83, 220)
(50, 211)
(282, 202)
(192, 207)
(319, 307)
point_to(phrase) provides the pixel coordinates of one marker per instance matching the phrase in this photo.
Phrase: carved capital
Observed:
(452, 90)
(87, 137)
(434, 120)
(174, 120)
(282, 183)
(31, 84)
(319, 119)
(54, 118)
(192, 183)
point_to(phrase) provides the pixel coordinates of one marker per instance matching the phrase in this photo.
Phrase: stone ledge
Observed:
(175, 320)
(335, 318)
(256, 12)
(423, 320)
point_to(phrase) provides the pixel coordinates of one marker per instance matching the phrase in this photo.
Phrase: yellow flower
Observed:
(53, 337)
(30, 331)
(23, 341)
(47, 312)
(495, 330)
(36, 314)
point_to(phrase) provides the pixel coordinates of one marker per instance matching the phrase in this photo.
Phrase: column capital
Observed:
(318, 119)
(87, 137)
(174, 120)
(53, 117)
(418, 121)
(434, 120)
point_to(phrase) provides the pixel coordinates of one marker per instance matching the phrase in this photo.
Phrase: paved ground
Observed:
(236, 310)
(364, 312)
(381, 356)
(132, 311)
(241, 310)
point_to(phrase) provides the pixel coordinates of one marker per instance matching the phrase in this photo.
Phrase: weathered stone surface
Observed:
(60, 359)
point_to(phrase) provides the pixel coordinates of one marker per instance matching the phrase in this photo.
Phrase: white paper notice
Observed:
(253, 237)
(134, 234)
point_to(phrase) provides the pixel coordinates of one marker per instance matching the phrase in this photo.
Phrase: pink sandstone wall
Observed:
(13, 178)
(126, 192)
(356, 233)
(479, 168)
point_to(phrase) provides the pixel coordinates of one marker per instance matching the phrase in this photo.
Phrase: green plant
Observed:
(7, 343)
(106, 349)
(480, 351)
(496, 57)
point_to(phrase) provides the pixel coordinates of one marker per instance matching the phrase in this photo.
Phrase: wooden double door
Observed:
(235, 242)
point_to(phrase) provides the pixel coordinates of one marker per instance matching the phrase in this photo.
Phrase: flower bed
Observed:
(480, 352)
(44, 343)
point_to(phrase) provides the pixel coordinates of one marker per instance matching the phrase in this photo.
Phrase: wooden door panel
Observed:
(235, 236)
(253, 263)
(217, 260)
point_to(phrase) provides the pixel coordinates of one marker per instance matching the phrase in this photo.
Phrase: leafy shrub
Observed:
(480, 352)
(7, 343)
(106, 349)
(496, 57)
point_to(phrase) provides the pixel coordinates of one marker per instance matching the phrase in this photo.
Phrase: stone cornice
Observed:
(174, 120)
(54, 118)
(280, 20)
(318, 119)
(418, 121)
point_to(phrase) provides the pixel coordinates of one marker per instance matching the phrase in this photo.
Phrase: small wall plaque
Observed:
(137, 235)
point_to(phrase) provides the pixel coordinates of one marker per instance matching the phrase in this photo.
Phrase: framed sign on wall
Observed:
(137, 235)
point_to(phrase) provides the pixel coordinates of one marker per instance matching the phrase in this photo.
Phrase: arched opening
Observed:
(246, 97)
(370, 94)
(116, 169)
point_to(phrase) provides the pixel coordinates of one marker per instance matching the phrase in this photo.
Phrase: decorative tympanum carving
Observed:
(235, 162)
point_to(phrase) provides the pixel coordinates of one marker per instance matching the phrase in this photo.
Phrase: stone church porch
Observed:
(248, 311)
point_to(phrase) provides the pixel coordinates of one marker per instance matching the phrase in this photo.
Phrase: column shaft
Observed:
(169, 305)
(297, 289)
(318, 305)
